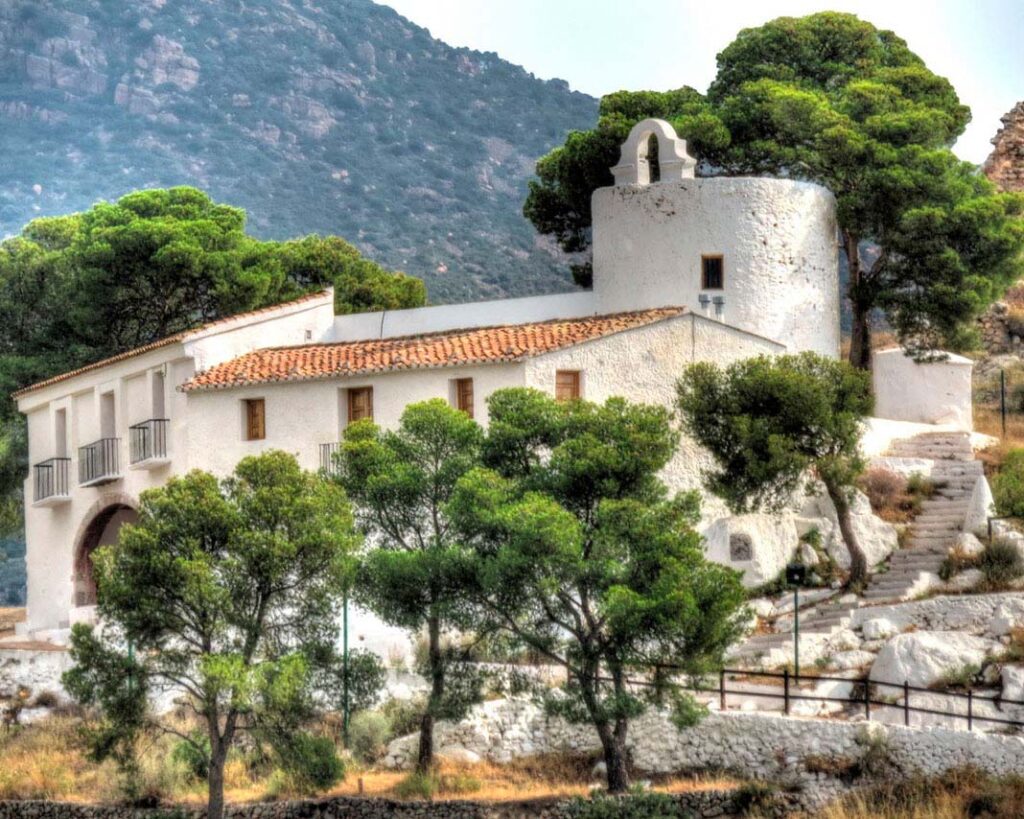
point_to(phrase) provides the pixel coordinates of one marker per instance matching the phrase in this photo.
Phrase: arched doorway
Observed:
(101, 529)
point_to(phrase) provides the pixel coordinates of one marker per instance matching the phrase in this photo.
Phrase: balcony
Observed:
(147, 444)
(328, 461)
(51, 482)
(99, 462)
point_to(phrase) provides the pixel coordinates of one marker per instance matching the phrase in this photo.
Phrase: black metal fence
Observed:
(868, 694)
(148, 440)
(51, 479)
(99, 461)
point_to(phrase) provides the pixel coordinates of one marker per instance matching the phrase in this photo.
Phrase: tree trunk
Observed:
(858, 560)
(613, 741)
(425, 758)
(860, 338)
(215, 800)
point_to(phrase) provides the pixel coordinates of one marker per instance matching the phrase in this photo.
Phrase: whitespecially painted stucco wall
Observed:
(936, 392)
(643, 365)
(777, 238)
(391, 323)
(300, 416)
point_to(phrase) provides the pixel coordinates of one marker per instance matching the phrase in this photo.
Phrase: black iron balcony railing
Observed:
(51, 479)
(328, 461)
(99, 462)
(148, 441)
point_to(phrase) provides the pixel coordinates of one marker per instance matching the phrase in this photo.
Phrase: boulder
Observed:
(968, 544)
(1013, 683)
(877, 538)
(762, 607)
(879, 628)
(845, 660)
(965, 580)
(759, 545)
(1005, 619)
(923, 658)
(459, 755)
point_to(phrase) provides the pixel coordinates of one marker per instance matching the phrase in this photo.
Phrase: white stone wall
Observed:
(756, 745)
(936, 392)
(777, 237)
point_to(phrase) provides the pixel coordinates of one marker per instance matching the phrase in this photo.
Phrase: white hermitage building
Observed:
(685, 269)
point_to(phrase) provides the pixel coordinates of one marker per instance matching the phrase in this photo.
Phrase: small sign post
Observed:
(796, 573)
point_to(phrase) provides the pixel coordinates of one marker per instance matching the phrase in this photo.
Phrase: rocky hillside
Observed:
(338, 117)
(1005, 165)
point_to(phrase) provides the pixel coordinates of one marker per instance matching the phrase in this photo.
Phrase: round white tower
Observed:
(756, 253)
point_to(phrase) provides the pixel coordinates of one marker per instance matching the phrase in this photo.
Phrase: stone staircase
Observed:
(911, 569)
(955, 474)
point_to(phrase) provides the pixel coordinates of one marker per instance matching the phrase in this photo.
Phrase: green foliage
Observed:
(76, 289)
(768, 421)
(582, 555)
(224, 589)
(194, 754)
(635, 806)
(404, 715)
(437, 185)
(310, 762)
(1008, 485)
(416, 576)
(960, 677)
(418, 786)
(368, 736)
(367, 677)
(1001, 564)
(830, 99)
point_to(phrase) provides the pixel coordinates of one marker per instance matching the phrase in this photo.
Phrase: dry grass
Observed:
(47, 760)
(894, 498)
(959, 793)
(987, 420)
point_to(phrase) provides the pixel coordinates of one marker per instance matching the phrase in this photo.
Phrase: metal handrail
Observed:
(147, 440)
(787, 695)
(99, 460)
(51, 478)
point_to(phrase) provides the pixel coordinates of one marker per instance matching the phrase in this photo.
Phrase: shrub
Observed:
(1001, 564)
(46, 699)
(961, 677)
(404, 715)
(1015, 321)
(311, 763)
(957, 561)
(638, 806)
(894, 498)
(1008, 485)
(368, 735)
(418, 786)
(194, 755)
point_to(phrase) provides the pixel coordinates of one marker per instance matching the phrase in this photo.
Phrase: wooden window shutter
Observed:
(360, 403)
(567, 385)
(464, 395)
(255, 419)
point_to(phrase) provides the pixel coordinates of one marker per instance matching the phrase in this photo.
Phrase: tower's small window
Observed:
(360, 404)
(255, 419)
(464, 395)
(712, 275)
(567, 385)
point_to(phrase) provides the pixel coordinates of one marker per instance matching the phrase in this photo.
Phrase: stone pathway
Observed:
(910, 570)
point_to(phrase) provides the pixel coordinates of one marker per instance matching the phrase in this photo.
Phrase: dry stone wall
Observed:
(699, 804)
(1005, 165)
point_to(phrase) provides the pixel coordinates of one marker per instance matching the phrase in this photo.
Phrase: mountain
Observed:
(337, 116)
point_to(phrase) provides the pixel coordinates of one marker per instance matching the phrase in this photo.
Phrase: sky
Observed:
(600, 46)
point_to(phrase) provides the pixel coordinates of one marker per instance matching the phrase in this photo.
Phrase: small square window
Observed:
(712, 273)
(255, 419)
(567, 385)
(360, 404)
(464, 395)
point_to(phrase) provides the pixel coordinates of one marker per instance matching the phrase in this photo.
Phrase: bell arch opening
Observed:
(102, 529)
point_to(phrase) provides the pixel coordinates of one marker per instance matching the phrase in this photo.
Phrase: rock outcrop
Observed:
(1005, 165)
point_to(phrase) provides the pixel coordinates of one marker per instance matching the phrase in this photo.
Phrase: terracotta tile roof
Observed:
(452, 348)
(165, 342)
